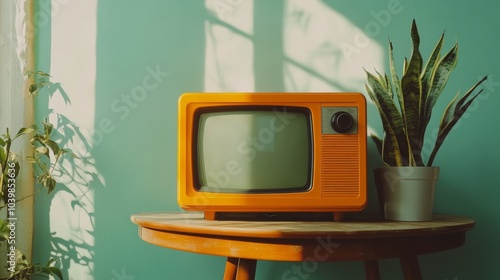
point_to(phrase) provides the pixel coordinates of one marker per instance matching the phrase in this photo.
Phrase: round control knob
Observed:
(342, 122)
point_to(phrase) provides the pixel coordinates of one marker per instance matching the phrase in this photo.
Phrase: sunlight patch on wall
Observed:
(229, 47)
(73, 65)
(324, 51)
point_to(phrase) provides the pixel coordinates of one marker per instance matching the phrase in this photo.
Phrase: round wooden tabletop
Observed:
(359, 227)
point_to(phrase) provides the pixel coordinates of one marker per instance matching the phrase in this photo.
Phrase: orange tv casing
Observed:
(338, 179)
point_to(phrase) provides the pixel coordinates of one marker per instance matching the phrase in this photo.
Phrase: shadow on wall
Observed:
(66, 217)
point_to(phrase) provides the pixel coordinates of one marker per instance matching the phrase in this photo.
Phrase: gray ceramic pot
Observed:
(406, 193)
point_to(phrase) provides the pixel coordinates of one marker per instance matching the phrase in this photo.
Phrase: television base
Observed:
(274, 216)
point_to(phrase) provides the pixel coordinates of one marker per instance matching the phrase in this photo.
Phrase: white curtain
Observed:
(16, 107)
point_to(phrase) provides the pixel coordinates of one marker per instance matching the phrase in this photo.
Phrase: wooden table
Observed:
(357, 239)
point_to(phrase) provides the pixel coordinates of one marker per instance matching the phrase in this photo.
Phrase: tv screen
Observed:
(253, 149)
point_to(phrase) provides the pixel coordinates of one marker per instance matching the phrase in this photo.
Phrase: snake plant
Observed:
(405, 105)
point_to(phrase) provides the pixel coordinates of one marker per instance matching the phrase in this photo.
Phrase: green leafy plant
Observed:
(405, 105)
(45, 156)
(24, 270)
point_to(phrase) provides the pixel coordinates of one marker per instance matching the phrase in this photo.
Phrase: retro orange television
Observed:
(272, 154)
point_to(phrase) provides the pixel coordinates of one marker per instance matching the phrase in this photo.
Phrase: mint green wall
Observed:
(137, 158)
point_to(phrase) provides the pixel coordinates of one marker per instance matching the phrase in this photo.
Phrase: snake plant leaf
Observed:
(389, 87)
(429, 67)
(456, 109)
(449, 112)
(395, 79)
(417, 92)
(455, 104)
(446, 130)
(448, 123)
(380, 78)
(395, 150)
(382, 82)
(426, 79)
(469, 92)
(440, 77)
(447, 117)
(412, 87)
(391, 155)
(388, 148)
(377, 141)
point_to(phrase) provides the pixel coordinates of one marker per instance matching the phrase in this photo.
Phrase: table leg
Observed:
(411, 268)
(240, 269)
(372, 271)
(231, 268)
(246, 269)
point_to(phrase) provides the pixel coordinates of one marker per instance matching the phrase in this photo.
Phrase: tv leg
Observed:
(338, 216)
(210, 215)
(411, 268)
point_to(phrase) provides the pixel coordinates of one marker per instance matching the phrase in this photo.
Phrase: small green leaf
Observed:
(43, 74)
(4, 230)
(31, 159)
(38, 73)
(34, 88)
(55, 271)
(42, 150)
(47, 128)
(3, 155)
(22, 131)
(50, 184)
(53, 146)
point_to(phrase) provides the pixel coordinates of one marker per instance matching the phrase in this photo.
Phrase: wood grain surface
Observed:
(358, 227)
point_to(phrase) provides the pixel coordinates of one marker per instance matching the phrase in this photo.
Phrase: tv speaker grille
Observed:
(340, 168)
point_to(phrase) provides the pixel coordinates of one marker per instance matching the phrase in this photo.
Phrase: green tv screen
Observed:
(253, 150)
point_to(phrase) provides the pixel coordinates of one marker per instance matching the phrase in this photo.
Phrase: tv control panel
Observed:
(339, 120)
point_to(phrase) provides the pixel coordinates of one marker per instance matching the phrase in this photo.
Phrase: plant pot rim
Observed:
(409, 172)
(406, 167)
